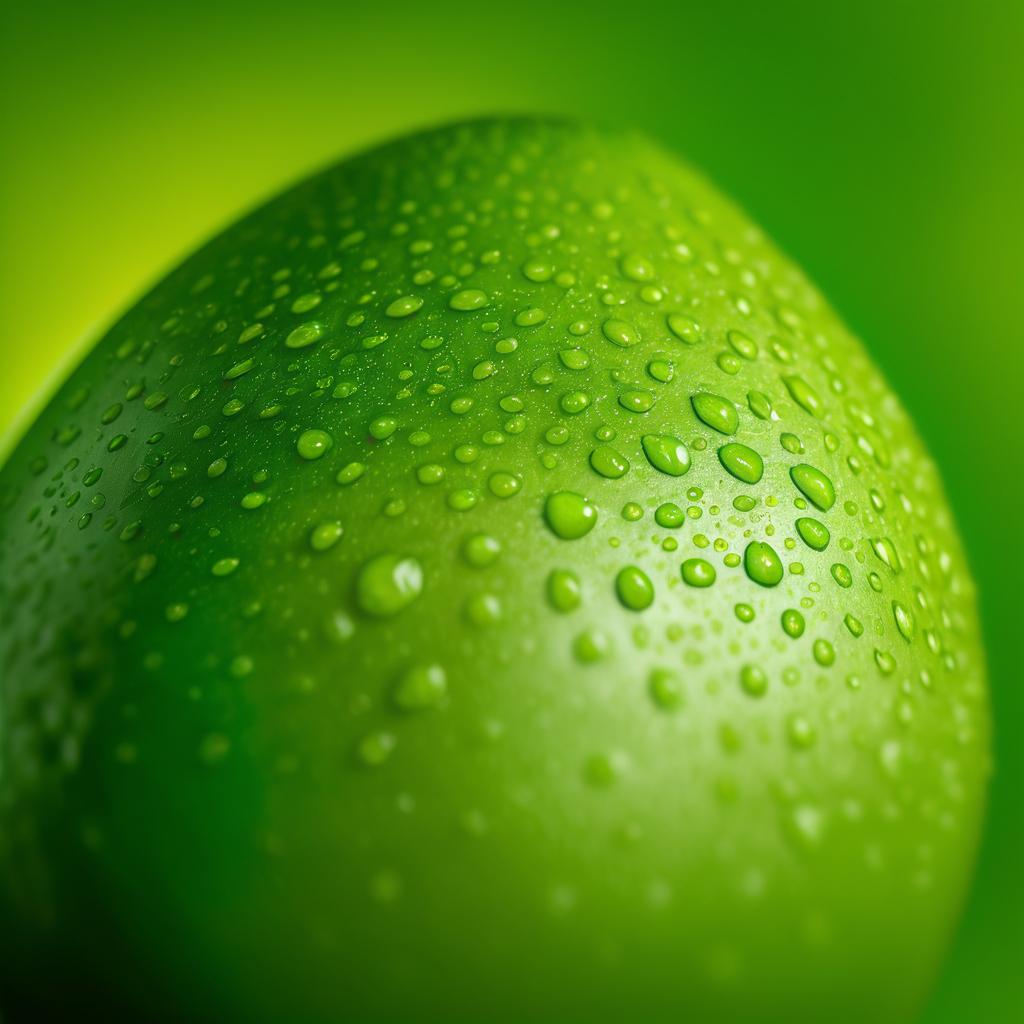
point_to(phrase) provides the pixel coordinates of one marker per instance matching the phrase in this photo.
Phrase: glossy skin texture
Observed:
(509, 593)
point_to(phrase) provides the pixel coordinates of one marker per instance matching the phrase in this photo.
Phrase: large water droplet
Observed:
(813, 533)
(666, 454)
(814, 485)
(698, 572)
(762, 564)
(312, 444)
(621, 333)
(387, 584)
(569, 514)
(717, 412)
(742, 462)
(634, 588)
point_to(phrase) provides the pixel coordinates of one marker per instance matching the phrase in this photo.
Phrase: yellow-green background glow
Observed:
(880, 143)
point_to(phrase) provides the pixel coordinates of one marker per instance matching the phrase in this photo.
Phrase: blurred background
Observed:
(880, 143)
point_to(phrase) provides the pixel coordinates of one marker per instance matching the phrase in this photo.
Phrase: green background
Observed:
(881, 144)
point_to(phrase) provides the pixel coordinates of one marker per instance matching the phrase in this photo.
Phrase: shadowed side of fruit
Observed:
(485, 583)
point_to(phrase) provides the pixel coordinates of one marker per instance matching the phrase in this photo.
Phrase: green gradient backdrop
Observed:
(881, 145)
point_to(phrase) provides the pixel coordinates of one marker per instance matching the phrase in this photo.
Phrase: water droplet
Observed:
(885, 551)
(669, 515)
(602, 770)
(697, 572)
(742, 462)
(634, 588)
(637, 401)
(569, 515)
(430, 474)
(762, 564)
(842, 575)
(742, 345)
(574, 358)
(904, 620)
(684, 328)
(814, 485)
(636, 268)
(717, 412)
(305, 335)
(661, 370)
(574, 402)
(224, 566)
(481, 550)
(421, 687)
(800, 733)
(824, 653)
(591, 646)
(469, 299)
(666, 454)
(793, 623)
(666, 689)
(376, 748)
(504, 485)
(753, 681)
(804, 395)
(759, 404)
(608, 462)
(404, 306)
(813, 533)
(312, 444)
(388, 583)
(564, 590)
(351, 473)
(325, 535)
(620, 333)
(382, 427)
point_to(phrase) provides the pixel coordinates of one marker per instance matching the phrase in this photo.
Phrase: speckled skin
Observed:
(246, 777)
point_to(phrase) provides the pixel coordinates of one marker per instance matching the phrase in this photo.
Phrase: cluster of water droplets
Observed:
(563, 407)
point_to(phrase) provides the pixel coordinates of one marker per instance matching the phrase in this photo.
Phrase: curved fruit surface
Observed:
(485, 583)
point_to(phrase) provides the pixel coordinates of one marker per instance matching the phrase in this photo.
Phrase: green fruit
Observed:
(486, 583)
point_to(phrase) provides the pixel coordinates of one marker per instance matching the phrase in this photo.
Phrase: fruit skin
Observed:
(382, 744)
